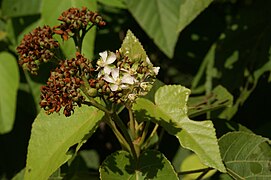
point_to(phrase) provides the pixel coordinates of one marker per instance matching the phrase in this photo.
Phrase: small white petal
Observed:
(100, 73)
(148, 60)
(103, 55)
(123, 86)
(111, 58)
(108, 79)
(115, 73)
(128, 79)
(107, 70)
(113, 87)
(156, 70)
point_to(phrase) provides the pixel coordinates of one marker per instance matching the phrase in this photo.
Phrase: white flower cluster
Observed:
(134, 77)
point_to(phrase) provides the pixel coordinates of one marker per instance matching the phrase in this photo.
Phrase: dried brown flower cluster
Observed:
(63, 86)
(75, 19)
(37, 47)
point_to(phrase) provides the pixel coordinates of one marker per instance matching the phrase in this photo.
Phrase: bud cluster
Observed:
(63, 86)
(37, 47)
(74, 20)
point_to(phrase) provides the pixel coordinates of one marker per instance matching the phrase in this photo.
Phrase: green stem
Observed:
(203, 174)
(119, 136)
(131, 122)
(144, 133)
(151, 135)
(124, 131)
(194, 171)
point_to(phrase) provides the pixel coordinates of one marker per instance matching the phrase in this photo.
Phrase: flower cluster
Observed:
(74, 20)
(63, 86)
(37, 47)
(124, 79)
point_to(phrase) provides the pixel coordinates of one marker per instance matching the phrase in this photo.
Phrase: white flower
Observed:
(107, 58)
(154, 69)
(117, 82)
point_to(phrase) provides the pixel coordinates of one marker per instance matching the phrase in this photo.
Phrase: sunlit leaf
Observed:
(53, 135)
(132, 48)
(150, 165)
(192, 162)
(9, 80)
(246, 155)
(170, 111)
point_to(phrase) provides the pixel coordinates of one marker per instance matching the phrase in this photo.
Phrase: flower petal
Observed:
(107, 70)
(128, 79)
(115, 73)
(108, 79)
(111, 58)
(148, 60)
(156, 70)
(103, 55)
(100, 73)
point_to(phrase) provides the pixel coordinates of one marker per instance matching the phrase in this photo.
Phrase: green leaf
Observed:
(114, 3)
(50, 17)
(163, 20)
(132, 48)
(150, 165)
(189, 10)
(159, 19)
(246, 155)
(15, 8)
(9, 80)
(218, 98)
(170, 111)
(53, 135)
(192, 162)
(19, 175)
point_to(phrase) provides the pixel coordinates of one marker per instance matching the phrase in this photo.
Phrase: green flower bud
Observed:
(92, 92)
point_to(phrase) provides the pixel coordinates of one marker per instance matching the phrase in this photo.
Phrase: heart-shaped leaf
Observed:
(170, 111)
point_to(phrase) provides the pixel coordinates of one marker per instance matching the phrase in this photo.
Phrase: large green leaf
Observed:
(246, 155)
(14, 8)
(132, 48)
(170, 111)
(9, 80)
(114, 3)
(50, 17)
(150, 165)
(189, 10)
(163, 20)
(159, 19)
(53, 135)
